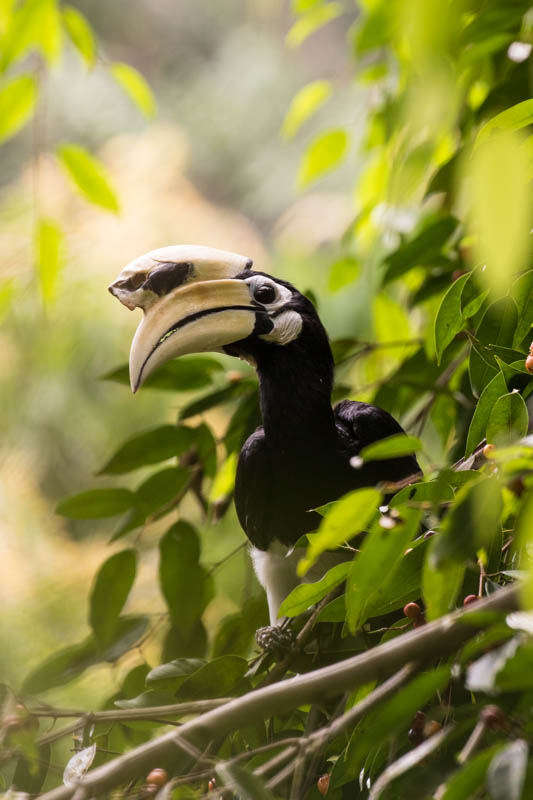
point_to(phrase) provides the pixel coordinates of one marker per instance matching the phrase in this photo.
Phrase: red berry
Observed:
(322, 784)
(470, 598)
(493, 716)
(412, 610)
(212, 785)
(158, 777)
(529, 362)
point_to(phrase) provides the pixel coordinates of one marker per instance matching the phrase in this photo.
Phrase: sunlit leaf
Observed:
(509, 419)
(324, 154)
(342, 273)
(225, 478)
(512, 119)
(89, 176)
(18, 97)
(80, 33)
(348, 516)
(317, 16)
(306, 594)
(391, 447)
(48, 244)
(135, 86)
(449, 320)
(304, 103)
(96, 504)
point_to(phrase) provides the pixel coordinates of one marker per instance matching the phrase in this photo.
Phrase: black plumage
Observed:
(300, 457)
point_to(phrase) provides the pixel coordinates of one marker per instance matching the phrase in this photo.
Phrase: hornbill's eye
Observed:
(265, 293)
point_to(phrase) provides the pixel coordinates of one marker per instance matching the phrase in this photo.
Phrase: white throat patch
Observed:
(287, 327)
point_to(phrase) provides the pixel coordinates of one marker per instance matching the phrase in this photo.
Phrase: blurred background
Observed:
(211, 167)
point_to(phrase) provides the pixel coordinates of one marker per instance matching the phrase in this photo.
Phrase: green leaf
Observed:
(506, 774)
(18, 97)
(306, 594)
(512, 119)
(348, 516)
(50, 31)
(382, 724)
(324, 154)
(478, 425)
(161, 488)
(401, 585)
(399, 444)
(464, 784)
(89, 176)
(509, 419)
(440, 585)
(96, 504)
(215, 679)
(304, 103)
(80, 33)
(342, 273)
(136, 87)
(422, 250)
(522, 292)
(172, 675)
(449, 321)
(496, 328)
(185, 585)
(183, 375)
(110, 591)
(316, 18)
(149, 447)
(236, 633)
(243, 782)
(48, 243)
(225, 478)
(379, 553)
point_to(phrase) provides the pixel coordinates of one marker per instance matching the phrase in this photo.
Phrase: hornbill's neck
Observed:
(295, 382)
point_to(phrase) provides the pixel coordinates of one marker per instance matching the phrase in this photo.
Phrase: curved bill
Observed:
(198, 317)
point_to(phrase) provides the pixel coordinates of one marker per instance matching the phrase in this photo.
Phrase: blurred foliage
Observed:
(429, 294)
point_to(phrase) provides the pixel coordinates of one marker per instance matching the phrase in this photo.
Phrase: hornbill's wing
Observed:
(253, 488)
(361, 424)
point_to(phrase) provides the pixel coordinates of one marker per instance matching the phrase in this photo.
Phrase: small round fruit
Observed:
(212, 785)
(529, 362)
(322, 784)
(487, 450)
(431, 728)
(157, 776)
(150, 790)
(470, 598)
(493, 716)
(412, 610)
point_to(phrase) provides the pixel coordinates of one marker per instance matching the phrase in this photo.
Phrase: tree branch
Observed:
(420, 645)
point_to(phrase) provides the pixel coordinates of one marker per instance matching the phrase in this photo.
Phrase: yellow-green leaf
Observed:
(323, 154)
(50, 31)
(347, 516)
(48, 241)
(135, 87)
(304, 103)
(88, 175)
(80, 33)
(17, 101)
(225, 479)
(512, 119)
(316, 18)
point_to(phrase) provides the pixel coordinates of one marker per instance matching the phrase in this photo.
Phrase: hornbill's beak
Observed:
(193, 302)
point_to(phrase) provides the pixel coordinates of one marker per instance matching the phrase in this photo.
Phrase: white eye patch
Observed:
(287, 327)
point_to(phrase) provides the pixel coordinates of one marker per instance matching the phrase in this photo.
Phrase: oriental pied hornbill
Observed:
(198, 299)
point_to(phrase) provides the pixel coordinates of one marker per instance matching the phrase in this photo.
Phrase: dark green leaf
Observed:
(478, 426)
(96, 504)
(449, 321)
(110, 591)
(236, 634)
(171, 675)
(218, 397)
(509, 419)
(440, 585)
(185, 585)
(215, 679)
(160, 489)
(421, 250)
(150, 447)
(496, 328)
(522, 292)
(88, 175)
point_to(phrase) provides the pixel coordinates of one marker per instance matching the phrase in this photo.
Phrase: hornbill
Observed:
(198, 299)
